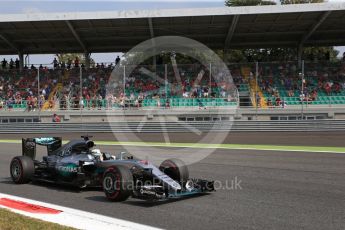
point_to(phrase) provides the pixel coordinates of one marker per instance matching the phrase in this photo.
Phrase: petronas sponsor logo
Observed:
(68, 168)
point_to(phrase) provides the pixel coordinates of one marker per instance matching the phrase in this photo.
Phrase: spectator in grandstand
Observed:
(63, 65)
(55, 63)
(81, 102)
(278, 101)
(302, 96)
(313, 95)
(336, 87)
(328, 88)
(109, 98)
(100, 101)
(32, 67)
(305, 91)
(41, 101)
(269, 103)
(122, 100)
(9, 103)
(18, 98)
(110, 66)
(11, 64)
(17, 62)
(140, 99)
(194, 93)
(29, 103)
(132, 97)
(283, 104)
(157, 98)
(69, 63)
(44, 93)
(290, 93)
(34, 102)
(56, 118)
(117, 60)
(206, 90)
(63, 102)
(76, 62)
(167, 104)
(4, 64)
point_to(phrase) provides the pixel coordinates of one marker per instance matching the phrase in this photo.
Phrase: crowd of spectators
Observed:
(69, 64)
(11, 64)
(284, 81)
(18, 87)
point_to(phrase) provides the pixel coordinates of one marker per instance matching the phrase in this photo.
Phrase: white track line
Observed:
(100, 143)
(75, 218)
(222, 147)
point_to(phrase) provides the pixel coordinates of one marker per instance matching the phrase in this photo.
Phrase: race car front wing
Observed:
(158, 192)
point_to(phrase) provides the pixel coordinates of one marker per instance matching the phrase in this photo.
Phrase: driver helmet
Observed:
(97, 153)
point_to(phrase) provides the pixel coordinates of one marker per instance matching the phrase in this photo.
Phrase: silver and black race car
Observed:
(79, 163)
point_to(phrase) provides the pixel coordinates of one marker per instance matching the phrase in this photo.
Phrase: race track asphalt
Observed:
(335, 139)
(278, 190)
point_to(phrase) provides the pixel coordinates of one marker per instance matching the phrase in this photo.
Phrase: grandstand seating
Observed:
(275, 81)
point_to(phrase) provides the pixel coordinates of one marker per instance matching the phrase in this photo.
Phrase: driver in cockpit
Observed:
(102, 156)
(97, 154)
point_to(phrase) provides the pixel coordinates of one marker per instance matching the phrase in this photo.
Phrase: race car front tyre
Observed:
(22, 169)
(176, 169)
(118, 183)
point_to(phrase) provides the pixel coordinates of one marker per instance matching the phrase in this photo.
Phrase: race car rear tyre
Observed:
(22, 169)
(118, 183)
(176, 169)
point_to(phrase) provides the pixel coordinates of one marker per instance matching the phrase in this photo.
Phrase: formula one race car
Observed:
(78, 163)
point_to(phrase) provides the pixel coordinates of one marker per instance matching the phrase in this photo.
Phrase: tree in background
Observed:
(327, 53)
(248, 2)
(276, 54)
(300, 1)
(267, 2)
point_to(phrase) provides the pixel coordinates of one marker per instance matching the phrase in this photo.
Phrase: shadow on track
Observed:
(52, 186)
(146, 203)
(101, 198)
(6, 180)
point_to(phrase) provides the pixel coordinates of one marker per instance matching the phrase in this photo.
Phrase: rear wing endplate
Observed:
(29, 145)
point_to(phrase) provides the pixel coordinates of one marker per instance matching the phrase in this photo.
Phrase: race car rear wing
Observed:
(29, 145)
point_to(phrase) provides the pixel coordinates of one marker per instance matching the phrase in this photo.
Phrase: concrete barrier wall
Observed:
(156, 127)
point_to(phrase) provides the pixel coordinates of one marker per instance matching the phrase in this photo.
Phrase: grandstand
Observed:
(263, 86)
(278, 83)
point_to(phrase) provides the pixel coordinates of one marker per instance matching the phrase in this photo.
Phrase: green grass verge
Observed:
(217, 146)
(13, 221)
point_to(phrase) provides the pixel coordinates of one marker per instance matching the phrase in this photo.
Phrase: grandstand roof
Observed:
(221, 28)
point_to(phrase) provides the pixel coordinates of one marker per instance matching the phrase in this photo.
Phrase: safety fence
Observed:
(103, 104)
(171, 127)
